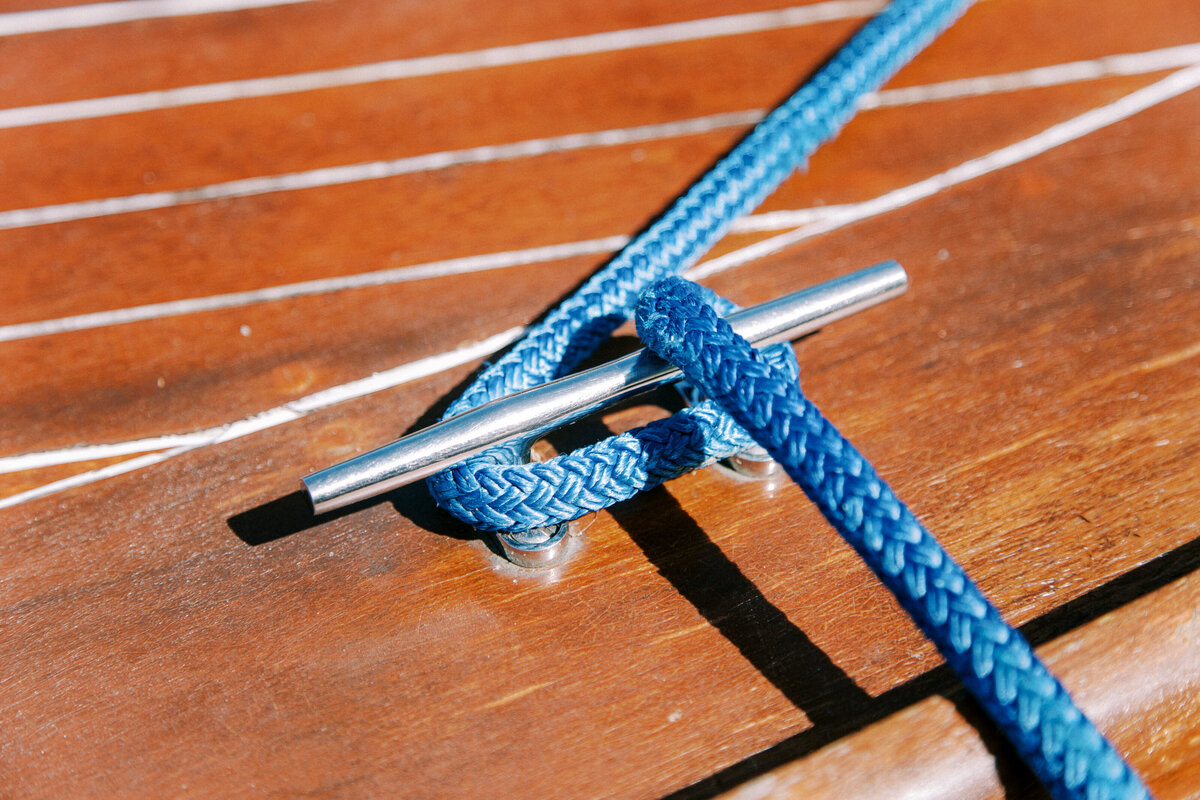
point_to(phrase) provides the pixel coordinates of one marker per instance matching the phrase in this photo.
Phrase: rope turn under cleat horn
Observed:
(519, 419)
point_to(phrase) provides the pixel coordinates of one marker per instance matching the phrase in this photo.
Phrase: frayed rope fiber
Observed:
(676, 320)
(497, 490)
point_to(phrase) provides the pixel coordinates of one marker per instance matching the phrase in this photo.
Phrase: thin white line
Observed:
(435, 269)
(1127, 64)
(88, 16)
(590, 44)
(288, 412)
(773, 221)
(1089, 122)
(373, 170)
(1123, 64)
(92, 476)
(1173, 85)
(780, 220)
(96, 452)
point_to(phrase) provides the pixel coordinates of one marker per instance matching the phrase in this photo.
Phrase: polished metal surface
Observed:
(543, 555)
(531, 413)
(757, 464)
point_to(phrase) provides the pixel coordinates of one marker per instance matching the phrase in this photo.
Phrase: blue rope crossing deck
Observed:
(498, 491)
(751, 400)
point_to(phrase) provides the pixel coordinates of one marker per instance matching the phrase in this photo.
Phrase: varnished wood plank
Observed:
(159, 54)
(819, 602)
(211, 374)
(195, 265)
(222, 247)
(1143, 694)
(282, 361)
(172, 149)
(207, 265)
(187, 629)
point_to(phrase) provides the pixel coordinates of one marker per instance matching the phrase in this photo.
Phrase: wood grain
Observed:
(1144, 694)
(188, 629)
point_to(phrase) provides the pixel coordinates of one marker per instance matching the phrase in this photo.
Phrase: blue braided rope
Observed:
(675, 318)
(495, 491)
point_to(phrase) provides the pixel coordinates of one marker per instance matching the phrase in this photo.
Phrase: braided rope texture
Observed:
(994, 661)
(496, 490)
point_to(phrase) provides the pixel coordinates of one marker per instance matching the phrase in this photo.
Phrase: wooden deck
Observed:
(175, 624)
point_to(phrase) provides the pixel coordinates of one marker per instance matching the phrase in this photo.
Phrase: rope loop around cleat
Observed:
(498, 490)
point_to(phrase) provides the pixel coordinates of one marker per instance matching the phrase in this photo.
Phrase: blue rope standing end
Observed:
(675, 318)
